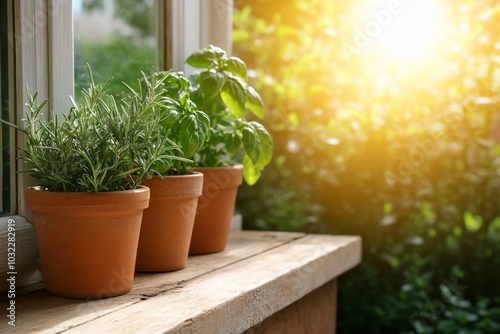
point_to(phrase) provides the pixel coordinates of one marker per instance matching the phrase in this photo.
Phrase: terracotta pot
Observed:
(87, 241)
(168, 222)
(215, 208)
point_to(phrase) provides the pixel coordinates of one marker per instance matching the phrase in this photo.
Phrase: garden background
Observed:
(403, 150)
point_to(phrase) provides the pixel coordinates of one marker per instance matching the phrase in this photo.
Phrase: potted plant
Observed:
(168, 222)
(221, 89)
(88, 204)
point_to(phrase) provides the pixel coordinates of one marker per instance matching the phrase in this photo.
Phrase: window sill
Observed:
(259, 276)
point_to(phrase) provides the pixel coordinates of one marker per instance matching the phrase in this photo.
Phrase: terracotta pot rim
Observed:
(192, 174)
(100, 202)
(208, 168)
(222, 177)
(140, 189)
(178, 186)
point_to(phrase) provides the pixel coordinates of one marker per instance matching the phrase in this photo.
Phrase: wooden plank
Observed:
(239, 296)
(241, 245)
(43, 313)
(314, 313)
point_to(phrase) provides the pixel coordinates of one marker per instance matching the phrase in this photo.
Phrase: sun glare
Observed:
(415, 32)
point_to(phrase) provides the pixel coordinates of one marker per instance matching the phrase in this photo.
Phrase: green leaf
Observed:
(184, 100)
(210, 84)
(251, 143)
(494, 228)
(266, 145)
(205, 58)
(170, 118)
(250, 173)
(472, 222)
(175, 81)
(162, 166)
(254, 102)
(258, 146)
(219, 52)
(232, 142)
(189, 137)
(204, 122)
(194, 132)
(237, 67)
(233, 96)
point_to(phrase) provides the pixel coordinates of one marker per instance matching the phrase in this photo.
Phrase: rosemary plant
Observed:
(102, 144)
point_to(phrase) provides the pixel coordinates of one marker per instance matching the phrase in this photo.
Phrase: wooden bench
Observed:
(264, 282)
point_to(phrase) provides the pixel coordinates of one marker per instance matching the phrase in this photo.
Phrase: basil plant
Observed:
(220, 88)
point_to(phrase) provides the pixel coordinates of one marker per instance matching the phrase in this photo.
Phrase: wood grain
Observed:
(40, 312)
(259, 274)
(314, 313)
(237, 297)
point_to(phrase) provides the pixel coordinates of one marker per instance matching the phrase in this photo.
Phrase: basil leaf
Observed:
(233, 96)
(188, 136)
(169, 119)
(250, 172)
(204, 122)
(233, 143)
(237, 67)
(251, 143)
(254, 102)
(266, 145)
(210, 84)
(202, 58)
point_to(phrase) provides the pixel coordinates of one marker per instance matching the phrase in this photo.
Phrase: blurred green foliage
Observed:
(137, 14)
(119, 56)
(404, 153)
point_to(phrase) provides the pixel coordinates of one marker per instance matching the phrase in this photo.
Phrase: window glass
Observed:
(5, 171)
(118, 38)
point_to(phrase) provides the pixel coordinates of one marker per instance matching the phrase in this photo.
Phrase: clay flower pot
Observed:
(87, 241)
(168, 222)
(215, 208)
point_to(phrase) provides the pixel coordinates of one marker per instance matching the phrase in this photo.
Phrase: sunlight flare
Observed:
(415, 32)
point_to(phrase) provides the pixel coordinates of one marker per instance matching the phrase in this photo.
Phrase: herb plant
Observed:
(168, 94)
(102, 144)
(221, 89)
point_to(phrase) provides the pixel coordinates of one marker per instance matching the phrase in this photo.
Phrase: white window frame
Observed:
(194, 25)
(43, 40)
(43, 51)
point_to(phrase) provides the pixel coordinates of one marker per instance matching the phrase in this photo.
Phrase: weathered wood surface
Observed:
(315, 313)
(257, 275)
(26, 253)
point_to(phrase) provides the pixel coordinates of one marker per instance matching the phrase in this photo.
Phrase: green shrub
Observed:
(402, 155)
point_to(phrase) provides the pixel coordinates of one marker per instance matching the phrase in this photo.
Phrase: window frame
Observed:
(194, 25)
(44, 58)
